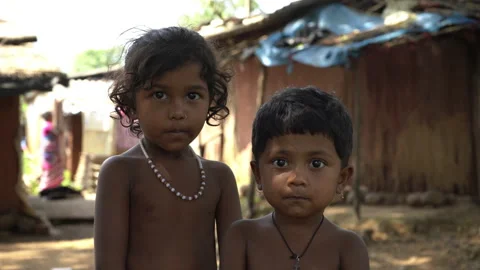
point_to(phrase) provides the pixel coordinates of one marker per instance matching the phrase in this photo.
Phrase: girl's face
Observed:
(173, 111)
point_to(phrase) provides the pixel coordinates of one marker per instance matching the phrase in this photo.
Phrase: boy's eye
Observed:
(280, 163)
(193, 96)
(159, 95)
(316, 163)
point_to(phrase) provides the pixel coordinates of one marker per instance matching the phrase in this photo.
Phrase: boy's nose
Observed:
(296, 178)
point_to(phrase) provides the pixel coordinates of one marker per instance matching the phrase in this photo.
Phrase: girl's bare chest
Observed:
(153, 199)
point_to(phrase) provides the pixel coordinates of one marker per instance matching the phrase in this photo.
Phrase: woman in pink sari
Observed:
(53, 164)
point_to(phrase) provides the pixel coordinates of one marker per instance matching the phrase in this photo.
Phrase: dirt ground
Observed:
(397, 238)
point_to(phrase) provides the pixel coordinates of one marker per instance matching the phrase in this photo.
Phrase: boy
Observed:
(301, 142)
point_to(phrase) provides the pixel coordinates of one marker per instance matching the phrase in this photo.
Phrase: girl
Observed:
(158, 203)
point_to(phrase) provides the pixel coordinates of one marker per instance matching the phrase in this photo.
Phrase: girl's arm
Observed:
(228, 209)
(111, 215)
(234, 256)
(354, 253)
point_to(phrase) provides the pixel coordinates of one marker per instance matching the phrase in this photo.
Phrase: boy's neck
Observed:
(155, 152)
(285, 221)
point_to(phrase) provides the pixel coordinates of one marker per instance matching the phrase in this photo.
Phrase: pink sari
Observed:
(52, 165)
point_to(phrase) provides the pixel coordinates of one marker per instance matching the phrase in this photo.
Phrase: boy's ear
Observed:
(345, 178)
(256, 172)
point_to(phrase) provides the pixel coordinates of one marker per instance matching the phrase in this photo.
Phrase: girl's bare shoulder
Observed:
(217, 170)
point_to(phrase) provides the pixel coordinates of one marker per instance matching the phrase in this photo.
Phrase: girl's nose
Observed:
(177, 110)
(177, 115)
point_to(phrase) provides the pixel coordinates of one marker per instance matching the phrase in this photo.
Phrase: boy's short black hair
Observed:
(158, 51)
(301, 111)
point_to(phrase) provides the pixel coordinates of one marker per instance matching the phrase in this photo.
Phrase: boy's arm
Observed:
(111, 216)
(228, 209)
(354, 254)
(234, 256)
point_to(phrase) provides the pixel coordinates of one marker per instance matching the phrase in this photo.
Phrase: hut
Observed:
(22, 70)
(408, 71)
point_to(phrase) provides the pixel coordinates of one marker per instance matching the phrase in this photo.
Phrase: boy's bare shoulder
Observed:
(247, 227)
(353, 251)
(345, 236)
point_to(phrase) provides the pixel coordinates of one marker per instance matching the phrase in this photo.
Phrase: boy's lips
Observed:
(296, 197)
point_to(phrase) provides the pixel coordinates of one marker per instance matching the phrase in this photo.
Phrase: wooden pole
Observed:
(248, 7)
(356, 140)
(259, 100)
(476, 117)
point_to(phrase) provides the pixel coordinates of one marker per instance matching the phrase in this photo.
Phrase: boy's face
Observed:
(300, 174)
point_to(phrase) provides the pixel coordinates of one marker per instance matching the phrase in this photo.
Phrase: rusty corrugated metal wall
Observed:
(416, 119)
(415, 130)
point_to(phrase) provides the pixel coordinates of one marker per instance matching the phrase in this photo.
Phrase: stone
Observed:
(8, 220)
(415, 199)
(374, 198)
(473, 253)
(390, 199)
(363, 190)
(26, 225)
(401, 199)
(434, 198)
(350, 194)
(450, 199)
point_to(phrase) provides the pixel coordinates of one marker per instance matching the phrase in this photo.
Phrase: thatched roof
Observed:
(14, 34)
(22, 67)
(23, 61)
(96, 74)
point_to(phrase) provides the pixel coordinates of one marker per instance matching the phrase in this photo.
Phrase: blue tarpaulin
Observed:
(340, 20)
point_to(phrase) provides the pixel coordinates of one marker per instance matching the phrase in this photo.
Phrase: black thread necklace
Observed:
(294, 256)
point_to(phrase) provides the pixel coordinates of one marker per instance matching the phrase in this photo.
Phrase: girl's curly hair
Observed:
(156, 52)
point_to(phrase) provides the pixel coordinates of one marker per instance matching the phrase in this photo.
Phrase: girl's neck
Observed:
(155, 152)
(289, 222)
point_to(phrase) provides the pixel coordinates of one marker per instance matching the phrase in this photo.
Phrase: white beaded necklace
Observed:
(169, 186)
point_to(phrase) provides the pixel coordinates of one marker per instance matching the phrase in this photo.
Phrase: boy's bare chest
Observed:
(272, 253)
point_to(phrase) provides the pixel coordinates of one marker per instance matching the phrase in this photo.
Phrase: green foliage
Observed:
(31, 170)
(215, 9)
(97, 58)
(68, 181)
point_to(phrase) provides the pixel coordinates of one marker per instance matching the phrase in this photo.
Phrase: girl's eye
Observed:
(280, 163)
(159, 95)
(317, 164)
(193, 96)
